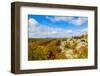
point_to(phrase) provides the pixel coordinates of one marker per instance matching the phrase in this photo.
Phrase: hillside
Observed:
(58, 48)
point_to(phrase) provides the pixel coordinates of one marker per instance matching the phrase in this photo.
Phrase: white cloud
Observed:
(81, 32)
(56, 18)
(63, 18)
(79, 21)
(60, 18)
(32, 22)
(85, 29)
(45, 31)
(38, 30)
(76, 21)
(69, 31)
(32, 25)
(54, 32)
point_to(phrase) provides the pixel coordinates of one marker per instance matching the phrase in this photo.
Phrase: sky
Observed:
(44, 26)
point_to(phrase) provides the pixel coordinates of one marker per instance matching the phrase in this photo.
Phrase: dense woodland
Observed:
(58, 48)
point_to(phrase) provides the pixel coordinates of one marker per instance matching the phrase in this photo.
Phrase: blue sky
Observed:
(43, 26)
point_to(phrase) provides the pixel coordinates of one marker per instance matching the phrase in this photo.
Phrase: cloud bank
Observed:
(37, 30)
(78, 21)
